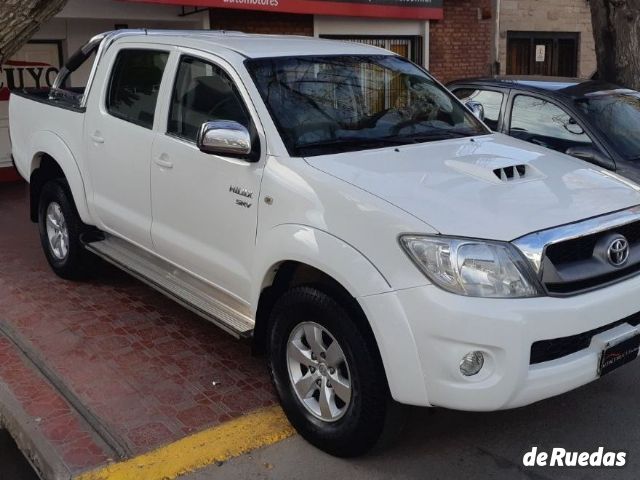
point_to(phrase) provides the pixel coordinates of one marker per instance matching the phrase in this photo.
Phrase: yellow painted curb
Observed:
(217, 444)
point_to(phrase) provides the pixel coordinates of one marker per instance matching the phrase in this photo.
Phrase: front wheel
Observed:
(60, 229)
(327, 373)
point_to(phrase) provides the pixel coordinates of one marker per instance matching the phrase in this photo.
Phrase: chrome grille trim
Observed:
(533, 245)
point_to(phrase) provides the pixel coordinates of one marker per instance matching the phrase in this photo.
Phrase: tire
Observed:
(60, 236)
(344, 428)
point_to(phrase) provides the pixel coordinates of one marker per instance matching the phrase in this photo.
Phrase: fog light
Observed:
(471, 363)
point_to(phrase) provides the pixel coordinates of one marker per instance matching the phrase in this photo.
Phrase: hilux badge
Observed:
(618, 251)
(243, 192)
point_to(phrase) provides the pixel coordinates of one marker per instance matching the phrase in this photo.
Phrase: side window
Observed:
(490, 100)
(202, 93)
(541, 122)
(135, 81)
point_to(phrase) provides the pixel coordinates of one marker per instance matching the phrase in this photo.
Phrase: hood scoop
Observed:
(512, 172)
(497, 170)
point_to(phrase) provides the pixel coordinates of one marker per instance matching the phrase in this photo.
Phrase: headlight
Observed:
(475, 268)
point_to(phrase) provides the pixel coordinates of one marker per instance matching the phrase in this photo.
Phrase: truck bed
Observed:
(41, 122)
(69, 99)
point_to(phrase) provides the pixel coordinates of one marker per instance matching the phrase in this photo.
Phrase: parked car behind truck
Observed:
(336, 204)
(593, 120)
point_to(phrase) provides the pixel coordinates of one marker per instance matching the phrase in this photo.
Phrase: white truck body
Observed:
(227, 224)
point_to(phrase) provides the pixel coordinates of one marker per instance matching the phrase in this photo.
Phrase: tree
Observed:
(616, 29)
(20, 20)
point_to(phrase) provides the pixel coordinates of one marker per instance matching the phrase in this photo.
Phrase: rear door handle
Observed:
(162, 162)
(97, 138)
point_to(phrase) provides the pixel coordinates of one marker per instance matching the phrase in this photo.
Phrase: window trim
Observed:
(107, 91)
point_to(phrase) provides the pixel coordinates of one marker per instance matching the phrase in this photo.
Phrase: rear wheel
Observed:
(327, 373)
(60, 229)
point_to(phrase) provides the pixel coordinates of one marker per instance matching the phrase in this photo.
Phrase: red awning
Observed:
(404, 9)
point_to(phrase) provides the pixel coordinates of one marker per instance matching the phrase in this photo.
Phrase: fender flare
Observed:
(359, 276)
(318, 249)
(48, 143)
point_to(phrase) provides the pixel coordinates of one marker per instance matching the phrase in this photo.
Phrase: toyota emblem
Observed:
(618, 251)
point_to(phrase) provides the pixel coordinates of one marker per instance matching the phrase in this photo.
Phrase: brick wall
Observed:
(460, 44)
(550, 16)
(261, 22)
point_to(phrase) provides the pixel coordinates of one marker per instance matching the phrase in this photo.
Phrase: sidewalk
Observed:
(108, 370)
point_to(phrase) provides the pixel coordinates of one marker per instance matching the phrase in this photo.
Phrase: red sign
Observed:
(16, 74)
(408, 9)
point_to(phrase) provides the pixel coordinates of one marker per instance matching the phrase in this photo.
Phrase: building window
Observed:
(408, 47)
(542, 53)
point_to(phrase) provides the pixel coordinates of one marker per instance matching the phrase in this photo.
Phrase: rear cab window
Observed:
(135, 81)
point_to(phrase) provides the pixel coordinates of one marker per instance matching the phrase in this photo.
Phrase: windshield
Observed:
(617, 115)
(329, 104)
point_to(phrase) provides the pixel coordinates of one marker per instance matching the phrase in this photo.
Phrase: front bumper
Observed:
(422, 364)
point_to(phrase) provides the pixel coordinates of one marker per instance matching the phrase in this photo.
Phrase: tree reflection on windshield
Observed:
(336, 103)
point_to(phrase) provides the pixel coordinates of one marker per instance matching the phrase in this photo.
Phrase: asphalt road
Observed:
(450, 445)
(13, 465)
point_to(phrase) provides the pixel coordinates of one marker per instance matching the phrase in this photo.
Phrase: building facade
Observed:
(545, 37)
(453, 43)
(452, 38)
(38, 62)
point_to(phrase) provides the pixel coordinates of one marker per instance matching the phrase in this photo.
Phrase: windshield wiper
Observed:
(353, 142)
(430, 136)
(372, 142)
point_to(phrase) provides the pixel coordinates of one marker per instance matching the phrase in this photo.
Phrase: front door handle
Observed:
(97, 138)
(162, 162)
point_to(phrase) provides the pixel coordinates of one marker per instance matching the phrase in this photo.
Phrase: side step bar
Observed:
(199, 297)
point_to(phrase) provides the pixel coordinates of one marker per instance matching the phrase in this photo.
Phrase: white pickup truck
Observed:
(336, 204)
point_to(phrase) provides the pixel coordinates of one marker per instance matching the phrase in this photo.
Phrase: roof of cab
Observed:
(251, 45)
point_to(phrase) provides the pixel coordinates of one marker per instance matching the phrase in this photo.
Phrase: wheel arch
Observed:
(52, 158)
(298, 255)
(293, 254)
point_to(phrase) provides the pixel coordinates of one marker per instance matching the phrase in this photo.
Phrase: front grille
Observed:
(567, 288)
(547, 350)
(582, 248)
(570, 266)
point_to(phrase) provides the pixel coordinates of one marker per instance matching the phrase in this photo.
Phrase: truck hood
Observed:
(492, 187)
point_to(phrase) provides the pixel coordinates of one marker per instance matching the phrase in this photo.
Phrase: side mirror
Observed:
(573, 127)
(477, 109)
(224, 137)
(592, 155)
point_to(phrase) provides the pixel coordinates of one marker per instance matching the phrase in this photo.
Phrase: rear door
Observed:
(205, 207)
(119, 130)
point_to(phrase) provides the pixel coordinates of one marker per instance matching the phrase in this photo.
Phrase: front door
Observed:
(119, 135)
(205, 207)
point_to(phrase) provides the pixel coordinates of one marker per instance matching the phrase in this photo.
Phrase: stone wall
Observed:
(550, 16)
